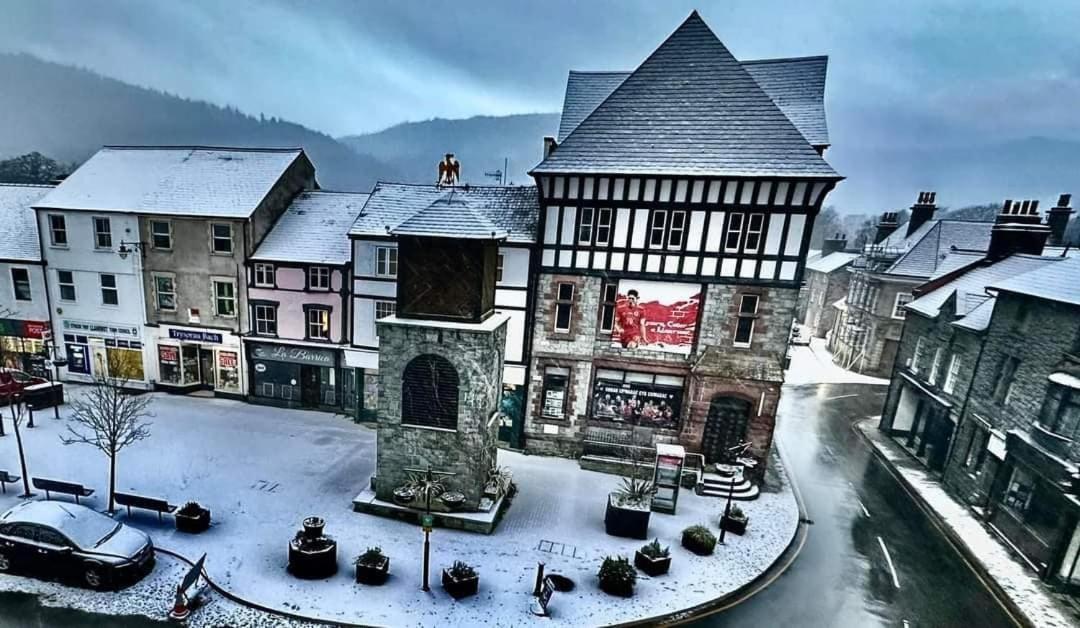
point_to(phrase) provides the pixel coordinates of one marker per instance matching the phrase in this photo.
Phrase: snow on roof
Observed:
(450, 215)
(932, 242)
(970, 287)
(18, 224)
(1053, 282)
(689, 108)
(314, 229)
(840, 304)
(831, 262)
(180, 181)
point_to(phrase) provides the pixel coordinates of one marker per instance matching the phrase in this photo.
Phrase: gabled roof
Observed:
(511, 210)
(179, 181)
(927, 248)
(1053, 282)
(796, 85)
(690, 108)
(18, 225)
(970, 287)
(450, 215)
(313, 230)
(831, 262)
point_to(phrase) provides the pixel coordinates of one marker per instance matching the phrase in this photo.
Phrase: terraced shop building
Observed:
(676, 210)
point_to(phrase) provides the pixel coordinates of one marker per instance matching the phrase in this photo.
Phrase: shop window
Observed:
(554, 392)
(1061, 410)
(169, 364)
(603, 226)
(264, 275)
(228, 371)
(318, 323)
(319, 278)
(189, 355)
(124, 364)
(265, 315)
(66, 280)
(953, 373)
(564, 307)
(676, 230)
(734, 233)
(656, 227)
(57, 230)
(585, 225)
(977, 448)
(609, 298)
(754, 227)
(902, 299)
(102, 233)
(225, 298)
(1006, 374)
(1021, 487)
(384, 309)
(20, 280)
(744, 327)
(165, 292)
(935, 366)
(637, 398)
(109, 294)
(221, 238)
(386, 261)
(161, 234)
(429, 392)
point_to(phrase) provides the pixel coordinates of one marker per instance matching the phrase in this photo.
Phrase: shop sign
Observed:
(23, 329)
(227, 359)
(91, 328)
(303, 355)
(637, 403)
(260, 368)
(195, 335)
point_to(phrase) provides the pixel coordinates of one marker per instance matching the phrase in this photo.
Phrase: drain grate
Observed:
(562, 549)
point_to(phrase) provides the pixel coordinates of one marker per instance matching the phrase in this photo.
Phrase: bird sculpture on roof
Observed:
(449, 170)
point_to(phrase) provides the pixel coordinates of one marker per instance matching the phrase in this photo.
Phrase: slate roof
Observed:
(970, 287)
(796, 85)
(690, 108)
(450, 215)
(18, 224)
(180, 181)
(314, 229)
(514, 210)
(1054, 282)
(932, 242)
(831, 262)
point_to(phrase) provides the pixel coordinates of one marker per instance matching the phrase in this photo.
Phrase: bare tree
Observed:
(109, 417)
(18, 414)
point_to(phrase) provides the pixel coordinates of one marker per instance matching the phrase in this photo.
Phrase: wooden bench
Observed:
(130, 500)
(57, 486)
(6, 478)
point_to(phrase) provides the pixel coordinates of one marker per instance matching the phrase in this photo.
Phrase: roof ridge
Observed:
(783, 59)
(246, 149)
(460, 188)
(26, 185)
(627, 72)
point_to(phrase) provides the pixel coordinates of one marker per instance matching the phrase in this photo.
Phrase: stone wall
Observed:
(823, 289)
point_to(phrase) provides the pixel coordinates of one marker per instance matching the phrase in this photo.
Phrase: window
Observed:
(161, 234)
(1061, 411)
(102, 233)
(165, 289)
(225, 298)
(953, 373)
(1005, 376)
(656, 230)
(902, 299)
(386, 261)
(585, 226)
(57, 230)
(734, 232)
(318, 323)
(676, 230)
(753, 232)
(917, 355)
(384, 309)
(264, 275)
(221, 238)
(319, 278)
(66, 280)
(607, 307)
(603, 226)
(637, 398)
(976, 449)
(109, 294)
(265, 315)
(744, 328)
(554, 393)
(564, 306)
(499, 261)
(20, 279)
(1021, 486)
(429, 392)
(935, 366)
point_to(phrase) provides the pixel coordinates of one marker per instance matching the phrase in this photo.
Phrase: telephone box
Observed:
(667, 477)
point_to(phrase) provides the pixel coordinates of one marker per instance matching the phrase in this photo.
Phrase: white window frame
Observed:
(389, 308)
(264, 275)
(672, 230)
(935, 366)
(168, 234)
(386, 261)
(585, 227)
(60, 283)
(742, 313)
(262, 321)
(158, 292)
(898, 311)
(655, 228)
(99, 234)
(952, 374)
(15, 285)
(322, 273)
(735, 230)
(214, 238)
(603, 225)
(568, 303)
(751, 232)
(114, 288)
(917, 355)
(322, 311)
(53, 229)
(214, 283)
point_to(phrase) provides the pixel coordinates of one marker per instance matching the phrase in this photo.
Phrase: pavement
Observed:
(813, 364)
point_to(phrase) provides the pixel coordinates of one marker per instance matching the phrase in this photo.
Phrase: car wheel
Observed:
(5, 563)
(93, 576)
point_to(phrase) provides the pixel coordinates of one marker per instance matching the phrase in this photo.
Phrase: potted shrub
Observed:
(453, 499)
(312, 554)
(404, 495)
(192, 518)
(629, 508)
(460, 580)
(699, 540)
(735, 520)
(372, 567)
(653, 559)
(617, 576)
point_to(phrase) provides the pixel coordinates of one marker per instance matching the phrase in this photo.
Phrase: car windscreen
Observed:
(85, 527)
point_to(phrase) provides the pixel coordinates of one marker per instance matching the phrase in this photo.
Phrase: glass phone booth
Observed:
(667, 476)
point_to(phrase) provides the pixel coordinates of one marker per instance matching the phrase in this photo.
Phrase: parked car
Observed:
(799, 335)
(61, 540)
(13, 381)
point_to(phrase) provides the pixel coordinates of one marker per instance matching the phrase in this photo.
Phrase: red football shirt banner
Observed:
(669, 312)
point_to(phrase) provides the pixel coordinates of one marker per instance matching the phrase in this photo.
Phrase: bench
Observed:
(6, 478)
(130, 501)
(56, 486)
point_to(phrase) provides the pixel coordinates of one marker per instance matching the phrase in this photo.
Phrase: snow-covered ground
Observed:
(1019, 583)
(262, 470)
(813, 364)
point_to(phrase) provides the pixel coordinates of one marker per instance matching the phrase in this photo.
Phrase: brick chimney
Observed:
(1058, 220)
(549, 145)
(886, 226)
(1017, 229)
(834, 244)
(922, 211)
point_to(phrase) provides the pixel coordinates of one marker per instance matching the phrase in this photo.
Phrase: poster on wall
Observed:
(637, 403)
(657, 316)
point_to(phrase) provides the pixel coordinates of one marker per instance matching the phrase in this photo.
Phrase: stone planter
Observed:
(617, 588)
(313, 559)
(373, 574)
(733, 525)
(313, 527)
(460, 588)
(404, 496)
(193, 523)
(652, 566)
(626, 521)
(453, 500)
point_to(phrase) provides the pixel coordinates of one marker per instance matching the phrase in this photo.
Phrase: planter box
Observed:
(315, 564)
(652, 567)
(193, 524)
(626, 522)
(373, 574)
(734, 526)
(460, 588)
(621, 589)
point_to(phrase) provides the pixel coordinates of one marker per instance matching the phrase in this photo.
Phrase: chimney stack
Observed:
(922, 211)
(1017, 229)
(886, 226)
(834, 244)
(549, 145)
(1058, 220)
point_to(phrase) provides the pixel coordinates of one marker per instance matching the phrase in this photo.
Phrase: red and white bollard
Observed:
(180, 610)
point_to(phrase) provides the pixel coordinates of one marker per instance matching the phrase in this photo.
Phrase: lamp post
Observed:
(737, 450)
(53, 359)
(427, 521)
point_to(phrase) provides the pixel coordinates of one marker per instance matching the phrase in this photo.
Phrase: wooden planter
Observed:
(626, 522)
(313, 564)
(733, 525)
(652, 566)
(373, 574)
(193, 524)
(460, 588)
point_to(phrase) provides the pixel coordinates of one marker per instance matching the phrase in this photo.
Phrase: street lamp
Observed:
(427, 520)
(128, 247)
(738, 451)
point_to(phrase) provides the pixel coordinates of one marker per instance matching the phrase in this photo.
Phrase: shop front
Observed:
(96, 350)
(191, 360)
(923, 424)
(21, 342)
(300, 376)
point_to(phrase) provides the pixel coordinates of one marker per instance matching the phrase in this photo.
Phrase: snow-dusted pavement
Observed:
(813, 364)
(262, 470)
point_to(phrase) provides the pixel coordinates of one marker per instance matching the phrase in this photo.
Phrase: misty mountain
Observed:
(480, 144)
(68, 113)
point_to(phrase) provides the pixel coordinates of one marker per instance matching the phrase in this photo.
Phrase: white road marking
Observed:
(864, 510)
(906, 624)
(888, 559)
(840, 397)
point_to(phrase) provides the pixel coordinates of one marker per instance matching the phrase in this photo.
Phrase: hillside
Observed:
(480, 143)
(68, 113)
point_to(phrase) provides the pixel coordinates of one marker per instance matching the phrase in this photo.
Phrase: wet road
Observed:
(871, 557)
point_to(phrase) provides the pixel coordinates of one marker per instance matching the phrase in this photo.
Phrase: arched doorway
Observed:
(725, 428)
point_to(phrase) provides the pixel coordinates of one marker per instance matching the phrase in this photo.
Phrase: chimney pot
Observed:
(1064, 199)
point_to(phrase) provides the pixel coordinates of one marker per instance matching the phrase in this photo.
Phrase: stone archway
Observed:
(725, 427)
